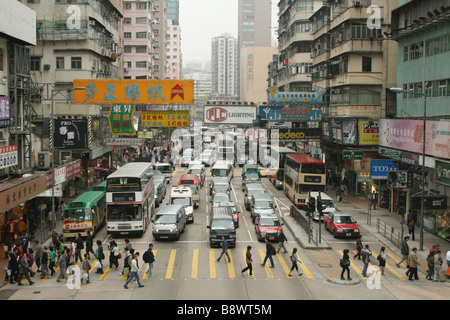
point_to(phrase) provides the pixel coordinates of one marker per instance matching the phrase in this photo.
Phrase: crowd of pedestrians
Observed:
(434, 260)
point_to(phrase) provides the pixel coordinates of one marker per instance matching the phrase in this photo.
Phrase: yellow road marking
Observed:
(231, 272)
(171, 264)
(212, 264)
(194, 272)
(262, 254)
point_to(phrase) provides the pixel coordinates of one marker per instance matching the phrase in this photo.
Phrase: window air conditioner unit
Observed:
(46, 67)
(44, 160)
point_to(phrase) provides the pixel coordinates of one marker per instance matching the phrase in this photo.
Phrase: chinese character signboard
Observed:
(161, 119)
(279, 113)
(295, 97)
(71, 134)
(114, 91)
(8, 156)
(121, 119)
(368, 132)
(5, 112)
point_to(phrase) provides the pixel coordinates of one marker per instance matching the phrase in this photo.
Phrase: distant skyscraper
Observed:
(254, 24)
(174, 57)
(224, 68)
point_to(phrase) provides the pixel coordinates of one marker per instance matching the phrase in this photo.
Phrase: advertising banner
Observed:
(115, 91)
(5, 112)
(162, 119)
(407, 135)
(399, 179)
(349, 132)
(8, 156)
(294, 97)
(229, 115)
(295, 134)
(18, 194)
(379, 168)
(71, 134)
(443, 172)
(279, 113)
(121, 119)
(368, 131)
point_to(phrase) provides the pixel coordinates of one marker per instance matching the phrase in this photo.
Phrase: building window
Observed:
(59, 62)
(405, 53)
(141, 20)
(127, 49)
(141, 49)
(366, 64)
(141, 64)
(127, 35)
(127, 6)
(141, 6)
(127, 20)
(76, 63)
(35, 63)
(141, 35)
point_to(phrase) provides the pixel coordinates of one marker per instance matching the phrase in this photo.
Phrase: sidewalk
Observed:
(357, 206)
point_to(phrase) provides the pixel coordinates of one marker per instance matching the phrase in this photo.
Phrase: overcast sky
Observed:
(202, 20)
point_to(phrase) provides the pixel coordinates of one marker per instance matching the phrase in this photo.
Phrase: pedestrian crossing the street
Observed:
(201, 263)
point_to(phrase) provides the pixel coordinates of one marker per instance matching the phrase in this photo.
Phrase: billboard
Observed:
(279, 113)
(295, 97)
(379, 168)
(121, 119)
(295, 134)
(349, 132)
(71, 134)
(114, 91)
(8, 156)
(5, 112)
(368, 131)
(229, 114)
(164, 119)
(407, 135)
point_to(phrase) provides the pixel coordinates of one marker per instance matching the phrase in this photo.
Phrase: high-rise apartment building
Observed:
(138, 38)
(160, 39)
(224, 68)
(255, 48)
(174, 55)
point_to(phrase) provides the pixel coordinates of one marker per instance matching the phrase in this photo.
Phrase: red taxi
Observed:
(268, 226)
(341, 225)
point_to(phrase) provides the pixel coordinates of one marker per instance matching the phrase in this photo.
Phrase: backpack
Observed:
(344, 263)
(145, 257)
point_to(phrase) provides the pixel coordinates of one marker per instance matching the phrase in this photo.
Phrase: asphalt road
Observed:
(187, 269)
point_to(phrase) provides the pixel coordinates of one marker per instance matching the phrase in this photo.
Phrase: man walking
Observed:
(283, 239)
(366, 253)
(134, 272)
(24, 270)
(89, 245)
(62, 264)
(149, 258)
(37, 255)
(224, 249)
(404, 250)
(270, 251)
(78, 248)
(413, 263)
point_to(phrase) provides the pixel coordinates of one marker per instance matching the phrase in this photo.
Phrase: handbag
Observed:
(126, 270)
(98, 265)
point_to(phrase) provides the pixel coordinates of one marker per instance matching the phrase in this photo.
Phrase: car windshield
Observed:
(263, 205)
(328, 203)
(343, 219)
(251, 177)
(165, 219)
(181, 201)
(195, 171)
(219, 172)
(221, 188)
(217, 224)
(221, 198)
(164, 169)
(269, 222)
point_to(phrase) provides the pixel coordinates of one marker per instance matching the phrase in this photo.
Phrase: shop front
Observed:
(436, 218)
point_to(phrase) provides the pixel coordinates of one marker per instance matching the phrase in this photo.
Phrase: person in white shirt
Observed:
(134, 272)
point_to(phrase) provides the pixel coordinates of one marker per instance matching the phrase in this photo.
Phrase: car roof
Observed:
(221, 213)
(323, 195)
(196, 166)
(255, 186)
(169, 208)
(262, 196)
(224, 204)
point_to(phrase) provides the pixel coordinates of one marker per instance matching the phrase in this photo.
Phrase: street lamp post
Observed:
(424, 95)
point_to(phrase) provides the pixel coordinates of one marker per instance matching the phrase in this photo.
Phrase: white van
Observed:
(188, 156)
(326, 200)
(222, 169)
(183, 196)
(166, 169)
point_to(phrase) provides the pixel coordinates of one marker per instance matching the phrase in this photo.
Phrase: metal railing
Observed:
(390, 233)
(306, 224)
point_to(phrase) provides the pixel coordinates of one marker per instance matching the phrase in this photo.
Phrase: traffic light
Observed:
(311, 205)
(319, 207)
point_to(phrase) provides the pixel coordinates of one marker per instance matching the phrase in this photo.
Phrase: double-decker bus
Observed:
(85, 213)
(303, 174)
(277, 161)
(130, 199)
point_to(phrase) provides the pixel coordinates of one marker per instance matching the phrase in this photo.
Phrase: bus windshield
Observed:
(124, 213)
(123, 184)
(164, 169)
(77, 215)
(313, 168)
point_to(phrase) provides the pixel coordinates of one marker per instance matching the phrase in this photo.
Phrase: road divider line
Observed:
(171, 264)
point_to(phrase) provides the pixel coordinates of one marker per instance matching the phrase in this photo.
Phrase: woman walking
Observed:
(345, 265)
(248, 261)
(294, 261)
(382, 260)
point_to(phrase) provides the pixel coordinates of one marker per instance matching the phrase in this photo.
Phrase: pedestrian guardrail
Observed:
(306, 224)
(389, 232)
